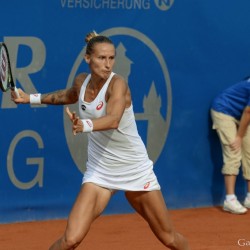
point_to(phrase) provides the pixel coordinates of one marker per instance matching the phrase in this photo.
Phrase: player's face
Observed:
(102, 60)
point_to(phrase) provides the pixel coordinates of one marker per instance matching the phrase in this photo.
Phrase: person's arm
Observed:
(118, 99)
(59, 97)
(244, 122)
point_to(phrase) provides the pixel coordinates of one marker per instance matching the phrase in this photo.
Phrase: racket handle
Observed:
(16, 92)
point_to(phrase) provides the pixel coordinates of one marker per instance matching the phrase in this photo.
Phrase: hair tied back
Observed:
(91, 35)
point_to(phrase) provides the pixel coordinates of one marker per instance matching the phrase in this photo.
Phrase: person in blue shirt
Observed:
(230, 112)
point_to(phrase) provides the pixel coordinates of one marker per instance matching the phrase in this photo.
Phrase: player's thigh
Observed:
(151, 206)
(89, 204)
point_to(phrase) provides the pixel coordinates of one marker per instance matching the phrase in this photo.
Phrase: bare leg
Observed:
(151, 206)
(230, 181)
(89, 204)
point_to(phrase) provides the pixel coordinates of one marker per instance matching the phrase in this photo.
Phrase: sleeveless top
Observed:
(117, 158)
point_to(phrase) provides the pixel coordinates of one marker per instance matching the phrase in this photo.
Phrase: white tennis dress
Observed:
(117, 158)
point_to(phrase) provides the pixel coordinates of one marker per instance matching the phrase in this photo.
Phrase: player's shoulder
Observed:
(118, 83)
(81, 77)
(118, 79)
(78, 81)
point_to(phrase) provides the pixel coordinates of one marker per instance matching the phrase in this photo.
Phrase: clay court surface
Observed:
(205, 228)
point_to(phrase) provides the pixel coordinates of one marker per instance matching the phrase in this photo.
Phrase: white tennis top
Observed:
(117, 158)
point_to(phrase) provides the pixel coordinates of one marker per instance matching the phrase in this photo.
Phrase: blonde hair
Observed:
(90, 35)
(92, 38)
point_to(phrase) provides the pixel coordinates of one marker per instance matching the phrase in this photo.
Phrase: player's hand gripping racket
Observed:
(6, 78)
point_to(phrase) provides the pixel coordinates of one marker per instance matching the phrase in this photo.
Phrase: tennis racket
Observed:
(6, 78)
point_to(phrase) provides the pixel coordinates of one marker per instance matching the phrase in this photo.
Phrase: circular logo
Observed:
(141, 63)
(164, 4)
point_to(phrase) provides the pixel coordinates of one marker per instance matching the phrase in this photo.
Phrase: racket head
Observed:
(4, 68)
(6, 78)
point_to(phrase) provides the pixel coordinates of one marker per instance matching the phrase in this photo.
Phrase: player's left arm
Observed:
(58, 97)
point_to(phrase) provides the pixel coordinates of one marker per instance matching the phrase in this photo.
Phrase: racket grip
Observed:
(16, 92)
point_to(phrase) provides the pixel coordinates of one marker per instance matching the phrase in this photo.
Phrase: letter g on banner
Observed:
(141, 63)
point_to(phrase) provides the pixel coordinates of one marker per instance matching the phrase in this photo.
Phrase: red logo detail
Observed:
(99, 106)
(89, 123)
(146, 185)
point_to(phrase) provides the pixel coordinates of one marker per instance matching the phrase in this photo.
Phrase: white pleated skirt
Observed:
(145, 180)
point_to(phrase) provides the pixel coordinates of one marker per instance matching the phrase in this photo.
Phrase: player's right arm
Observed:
(59, 97)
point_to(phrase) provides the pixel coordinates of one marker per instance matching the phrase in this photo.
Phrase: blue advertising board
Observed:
(176, 57)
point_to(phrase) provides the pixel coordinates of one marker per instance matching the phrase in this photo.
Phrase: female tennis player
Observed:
(117, 157)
